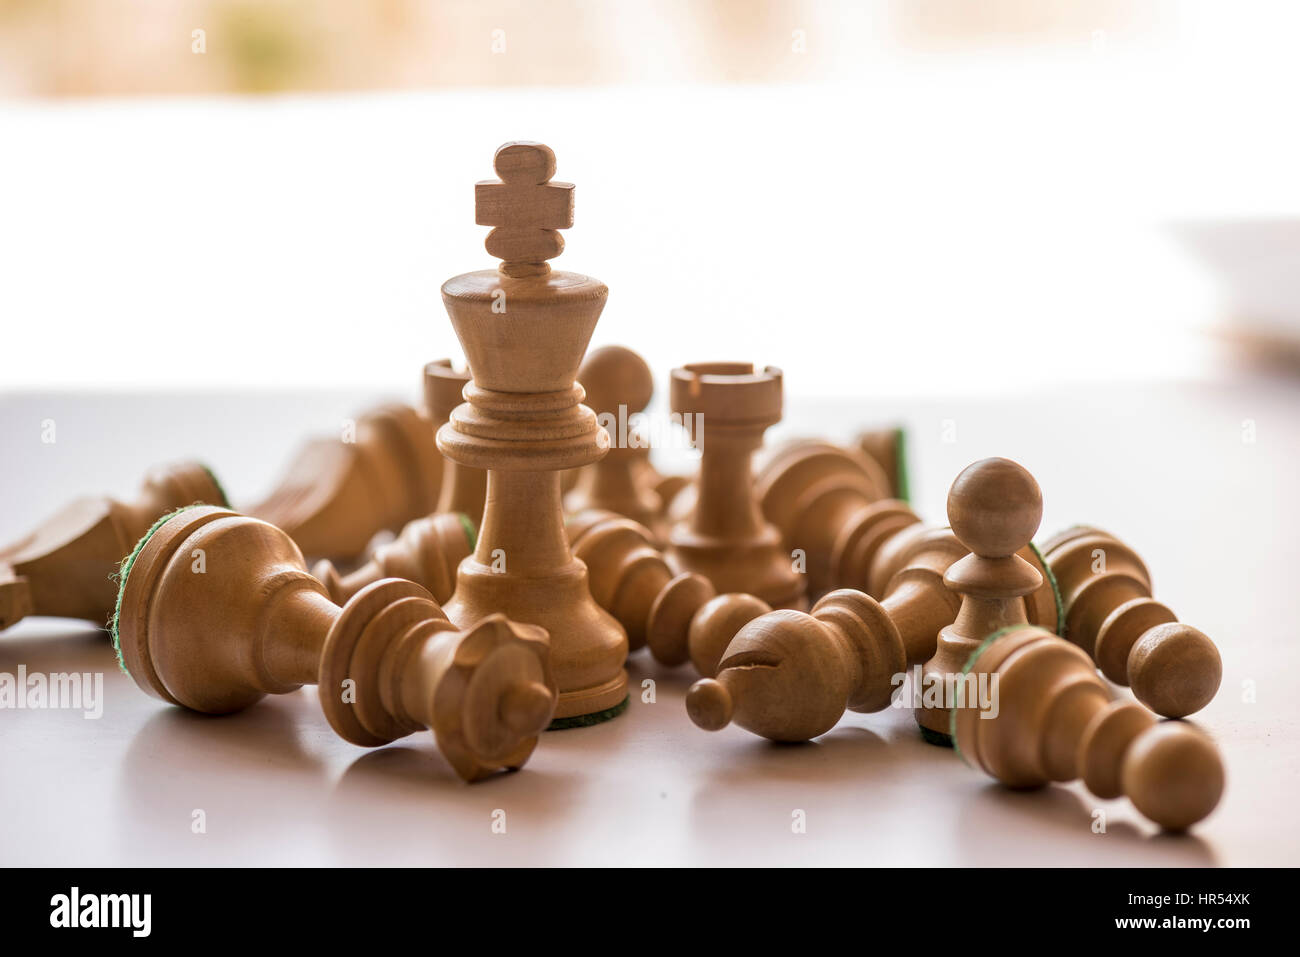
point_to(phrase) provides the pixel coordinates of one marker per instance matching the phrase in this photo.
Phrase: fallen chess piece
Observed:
(1057, 720)
(1173, 668)
(427, 550)
(248, 621)
(524, 330)
(833, 504)
(65, 567)
(790, 676)
(337, 495)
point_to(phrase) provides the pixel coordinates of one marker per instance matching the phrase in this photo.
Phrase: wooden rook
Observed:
(524, 330)
(726, 407)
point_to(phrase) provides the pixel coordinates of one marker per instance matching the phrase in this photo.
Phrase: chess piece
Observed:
(337, 494)
(619, 386)
(892, 552)
(1057, 720)
(463, 488)
(1173, 668)
(888, 449)
(253, 622)
(524, 329)
(65, 566)
(789, 676)
(427, 551)
(994, 507)
(727, 406)
(681, 617)
(834, 505)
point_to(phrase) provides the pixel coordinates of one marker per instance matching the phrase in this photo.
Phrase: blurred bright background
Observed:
(884, 198)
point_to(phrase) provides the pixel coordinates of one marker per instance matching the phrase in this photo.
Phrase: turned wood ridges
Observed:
(463, 488)
(994, 507)
(680, 616)
(524, 329)
(254, 622)
(726, 407)
(337, 494)
(790, 676)
(64, 567)
(834, 505)
(1173, 668)
(619, 385)
(1057, 720)
(427, 551)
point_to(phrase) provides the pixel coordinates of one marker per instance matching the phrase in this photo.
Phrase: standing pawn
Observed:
(994, 507)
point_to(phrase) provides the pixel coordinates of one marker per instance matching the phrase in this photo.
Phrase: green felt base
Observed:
(125, 569)
(470, 531)
(221, 490)
(903, 491)
(586, 720)
(936, 738)
(1059, 628)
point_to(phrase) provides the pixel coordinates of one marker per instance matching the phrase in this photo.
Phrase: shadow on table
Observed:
(218, 782)
(1058, 825)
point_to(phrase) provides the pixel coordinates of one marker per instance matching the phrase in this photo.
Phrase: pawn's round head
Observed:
(1174, 669)
(614, 376)
(994, 507)
(1173, 774)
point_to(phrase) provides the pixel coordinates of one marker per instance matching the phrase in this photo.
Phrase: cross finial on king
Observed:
(525, 208)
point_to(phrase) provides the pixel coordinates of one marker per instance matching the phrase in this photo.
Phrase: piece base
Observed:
(587, 720)
(936, 738)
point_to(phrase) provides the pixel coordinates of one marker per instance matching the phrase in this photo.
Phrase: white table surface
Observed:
(1163, 466)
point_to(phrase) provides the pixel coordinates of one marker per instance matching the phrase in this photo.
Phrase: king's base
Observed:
(591, 705)
(587, 720)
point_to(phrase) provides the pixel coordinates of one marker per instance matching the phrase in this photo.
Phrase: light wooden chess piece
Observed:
(463, 488)
(1173, 668)
(681, 617)
(619, 385)
(726, 407)
(427, 551)
(524, 329)
(994, 507)
(888, 449)
(1056, 720)
(789, 676)
(336, 494)
(834, 505)
(64, 567)
(251, 621)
